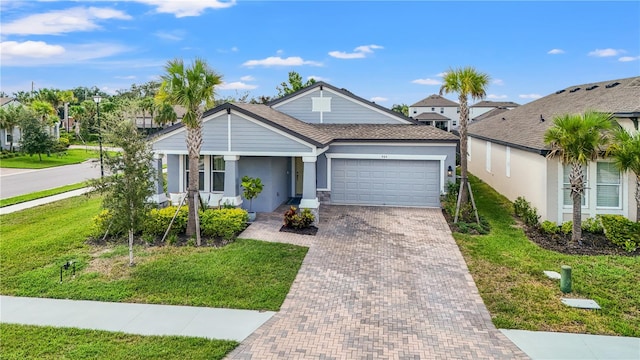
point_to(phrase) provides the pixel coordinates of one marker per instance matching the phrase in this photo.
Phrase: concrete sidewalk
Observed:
(142, 319)
(42, 201)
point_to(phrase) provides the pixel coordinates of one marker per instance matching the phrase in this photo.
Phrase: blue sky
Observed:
(387, 52)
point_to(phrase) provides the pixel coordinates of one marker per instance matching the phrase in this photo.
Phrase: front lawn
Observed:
(40, 194)
(70, 156)
(246, 274)
(43, 342)
(508, 270)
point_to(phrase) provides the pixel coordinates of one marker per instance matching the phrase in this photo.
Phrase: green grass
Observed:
(40, 194)
(246, 274)
(73, 156)
(507, 269)
(36, 342)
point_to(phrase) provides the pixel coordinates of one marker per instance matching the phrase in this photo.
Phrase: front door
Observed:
(299, 170)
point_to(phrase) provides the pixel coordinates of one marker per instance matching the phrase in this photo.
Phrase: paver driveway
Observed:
(377, 283)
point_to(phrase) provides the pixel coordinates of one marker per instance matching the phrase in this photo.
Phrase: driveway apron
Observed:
(377, 283)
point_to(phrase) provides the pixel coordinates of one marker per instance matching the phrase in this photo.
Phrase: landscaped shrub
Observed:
(159, 220)
(549, 227)
(296, 220)
(621, 231)
(529, 215)
(102, 223)
(592, 225)
(223, 223)
(520, 206)
(567, 227)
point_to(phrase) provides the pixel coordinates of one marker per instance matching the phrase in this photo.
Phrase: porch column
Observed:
(231, 181)
(159, 197)
(309, 193)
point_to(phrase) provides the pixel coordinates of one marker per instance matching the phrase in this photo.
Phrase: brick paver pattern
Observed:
(377, 283)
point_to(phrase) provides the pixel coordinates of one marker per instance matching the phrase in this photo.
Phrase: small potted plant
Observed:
(252, 188)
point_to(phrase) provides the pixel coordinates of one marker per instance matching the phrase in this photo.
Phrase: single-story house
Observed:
(320, 144)
(508, 152)
(9, 136)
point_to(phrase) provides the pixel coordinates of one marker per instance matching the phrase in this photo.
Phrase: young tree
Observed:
(193, 87)
(130, 183)
(466, 82)
(295, 80)
(625, 152)
(402, 109)
(35, 137)
(577, 139)
(12, 116)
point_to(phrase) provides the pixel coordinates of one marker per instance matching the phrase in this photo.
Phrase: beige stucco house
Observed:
(507, 151)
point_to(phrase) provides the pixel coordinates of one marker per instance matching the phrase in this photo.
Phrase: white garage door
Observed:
(385, 182)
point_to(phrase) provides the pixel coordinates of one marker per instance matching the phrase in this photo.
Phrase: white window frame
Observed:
(212, 159)
(619, 185)
(508, 161)
(203, 184)
(488, 157)
(567, 186)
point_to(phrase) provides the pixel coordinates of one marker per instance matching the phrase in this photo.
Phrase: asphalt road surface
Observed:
(14, 182)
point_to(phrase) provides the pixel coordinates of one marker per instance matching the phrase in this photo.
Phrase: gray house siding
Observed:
(321, 171)
(174, 142)
(273, 173)
(173, 173)
(343, 111)
(248, 136)
(214, 134)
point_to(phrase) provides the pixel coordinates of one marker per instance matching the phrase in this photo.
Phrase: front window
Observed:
(200, 173)
(608, 185)
(217, 173)
(9, 138)
(566, 186)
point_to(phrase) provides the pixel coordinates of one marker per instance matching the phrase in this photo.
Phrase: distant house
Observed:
(507, 151)
(437, 111)
(145, 120)
(321, 144)
(15, 135)
(485, 106)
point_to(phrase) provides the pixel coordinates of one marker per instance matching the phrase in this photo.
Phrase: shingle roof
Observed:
(435, 101)
(490, 113)
(385, 132)
(5, 100)
(425, 116)
(496, 104)
(523, 127)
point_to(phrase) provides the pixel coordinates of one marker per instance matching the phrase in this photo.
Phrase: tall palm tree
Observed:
(625, 152)
(578, 139)
(165, 114)
(194, 88)
(466, 81)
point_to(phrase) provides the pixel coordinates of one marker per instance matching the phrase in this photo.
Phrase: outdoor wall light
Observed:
(449, 171)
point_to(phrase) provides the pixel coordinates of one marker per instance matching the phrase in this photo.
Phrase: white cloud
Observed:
(247, 78)
(442, 74)
(184, 8)
(629, 58)
(28, 49)
(494, 96)
(278, 61)
(317, 78)
(175, 35)
(605, 52)
(555, 51)
(377, 99)
(236, 85)
(128, 77)
(62, 21)
(427, 81)
(225, 51)
(499, 82)
(530, 96)
(358, 53)
(38, 53)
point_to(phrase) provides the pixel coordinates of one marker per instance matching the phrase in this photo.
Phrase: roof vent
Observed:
(541, 118)
(612, 85)
(504, 119)
(560, 91)
(574, 90)
(591, 87)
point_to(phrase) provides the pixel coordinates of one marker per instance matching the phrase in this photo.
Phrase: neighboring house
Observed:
(437, 111)
(507, 151)
(13, 135)
(486, 106)
(320, 144)
(145, 121)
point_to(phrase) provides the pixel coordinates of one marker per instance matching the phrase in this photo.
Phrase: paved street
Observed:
(377, 283)
(15, 182)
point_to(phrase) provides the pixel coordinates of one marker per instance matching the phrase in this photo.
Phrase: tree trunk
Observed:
(576, 180)
(131, 247)
(464, 119)
(194, 143)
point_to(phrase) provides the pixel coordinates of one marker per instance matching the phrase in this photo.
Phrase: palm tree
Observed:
(625, 152)
(466, 81)
(578, 139)
(194, 88)
(165, 114)
(10, 117)
(147, 105)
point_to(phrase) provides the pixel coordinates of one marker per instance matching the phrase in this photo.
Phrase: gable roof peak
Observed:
(435, 100)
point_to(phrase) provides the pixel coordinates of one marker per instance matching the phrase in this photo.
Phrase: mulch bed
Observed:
(311, 230)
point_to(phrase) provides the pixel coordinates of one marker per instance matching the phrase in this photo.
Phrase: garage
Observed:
(385, 182)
